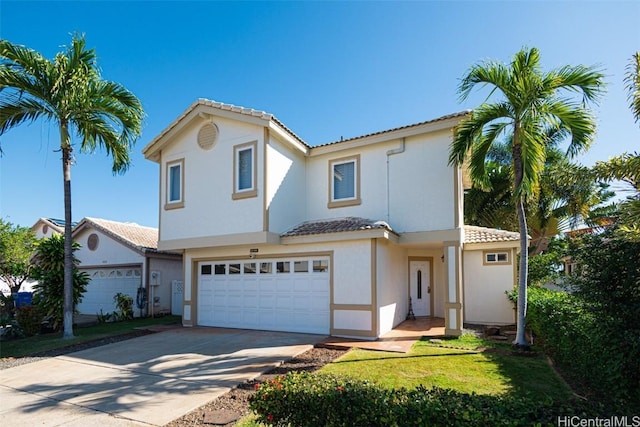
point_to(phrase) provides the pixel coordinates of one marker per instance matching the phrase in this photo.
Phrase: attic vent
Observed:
(207, 136)
(92, 242)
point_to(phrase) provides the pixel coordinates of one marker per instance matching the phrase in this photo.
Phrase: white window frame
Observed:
(252, 191)
(178, 203)
(345, 201)
(497, 253)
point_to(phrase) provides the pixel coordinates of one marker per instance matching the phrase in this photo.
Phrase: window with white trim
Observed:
(344, 177)
(244, 171)
(496, 257)
(175, 184)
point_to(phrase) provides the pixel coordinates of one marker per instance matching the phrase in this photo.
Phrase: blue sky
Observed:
(325, 69)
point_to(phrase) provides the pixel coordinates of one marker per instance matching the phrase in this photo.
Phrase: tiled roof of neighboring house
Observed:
(448, 116)
(335, 225)
(141, 237)
(474, 234)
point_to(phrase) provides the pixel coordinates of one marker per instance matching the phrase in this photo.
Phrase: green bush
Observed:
(30, 319)
(125, 307)
(594, 333)
(304, 399)
(49, 272)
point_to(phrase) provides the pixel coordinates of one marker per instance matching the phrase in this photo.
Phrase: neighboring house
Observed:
(123, 257)
(47, 227)
(43, 228)
(331, 239)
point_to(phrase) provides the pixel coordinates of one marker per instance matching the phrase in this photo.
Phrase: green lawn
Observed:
(459, 364)
(454, 364)
(27, 346)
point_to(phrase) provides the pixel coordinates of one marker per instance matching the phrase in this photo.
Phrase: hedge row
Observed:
(304, 399)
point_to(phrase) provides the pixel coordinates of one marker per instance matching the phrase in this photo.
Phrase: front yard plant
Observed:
(304, 399)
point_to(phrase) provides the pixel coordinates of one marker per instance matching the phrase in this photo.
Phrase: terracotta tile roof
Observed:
(140, 237)
(336, 225)
(226, 107)
(448, 116)
(474, 234)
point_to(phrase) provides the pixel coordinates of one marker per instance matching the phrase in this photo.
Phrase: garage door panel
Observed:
(104, 284)
(250, 294)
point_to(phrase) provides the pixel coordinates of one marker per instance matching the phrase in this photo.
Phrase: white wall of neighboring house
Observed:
(108, 252)
(209, 209)
(485, 301)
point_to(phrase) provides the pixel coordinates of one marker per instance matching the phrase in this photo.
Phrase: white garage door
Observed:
(279, 295)
(104, 284)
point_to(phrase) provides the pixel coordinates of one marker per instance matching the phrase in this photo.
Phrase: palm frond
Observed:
(632, 84)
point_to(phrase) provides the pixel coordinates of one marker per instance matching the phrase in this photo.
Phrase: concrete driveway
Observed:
(150, 380)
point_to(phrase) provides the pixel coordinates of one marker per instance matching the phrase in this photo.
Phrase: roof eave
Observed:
(439, 124)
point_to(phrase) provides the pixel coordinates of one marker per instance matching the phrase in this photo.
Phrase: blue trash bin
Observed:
(22, 299)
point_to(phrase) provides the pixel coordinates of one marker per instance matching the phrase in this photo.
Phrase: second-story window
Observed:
(244, 171)
(175, 188)
(344, 182)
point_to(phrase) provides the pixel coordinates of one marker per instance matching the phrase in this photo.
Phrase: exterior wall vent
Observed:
(207, 136)
(92, 242)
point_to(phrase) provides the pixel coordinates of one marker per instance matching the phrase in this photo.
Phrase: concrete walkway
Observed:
(150, 380)
(399, 340)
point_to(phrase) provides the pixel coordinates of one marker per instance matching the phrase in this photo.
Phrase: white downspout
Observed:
(390, 153)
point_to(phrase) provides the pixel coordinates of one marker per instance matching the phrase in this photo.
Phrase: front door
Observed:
(420, 287)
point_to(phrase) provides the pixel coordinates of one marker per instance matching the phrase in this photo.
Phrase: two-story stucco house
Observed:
(333, 239)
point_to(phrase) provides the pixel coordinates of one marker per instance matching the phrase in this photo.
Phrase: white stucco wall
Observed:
(392, 287)
(109, 251)
(485, 301)
(286, 187)
(416, 194)
(209, 209)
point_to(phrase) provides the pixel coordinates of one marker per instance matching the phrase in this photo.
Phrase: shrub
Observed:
(125, 307)
(304, 399)
(49, 272)
(29, 319)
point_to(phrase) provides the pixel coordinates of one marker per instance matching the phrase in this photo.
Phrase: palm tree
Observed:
(69, 92)
(531, 105)
(626, 167)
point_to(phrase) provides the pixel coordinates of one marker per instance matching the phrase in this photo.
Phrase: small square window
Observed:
(234, 268)
(205, 269)
(220, 269)
(249, 268)
(301, 266)
(283, 266)
(265, 267)
(496, 258)
(320, 266)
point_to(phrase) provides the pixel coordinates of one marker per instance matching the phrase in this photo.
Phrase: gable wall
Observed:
(209, 209)
(108, 252)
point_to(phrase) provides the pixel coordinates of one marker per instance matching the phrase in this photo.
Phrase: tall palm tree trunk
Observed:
(518, 174)
(68, 242)
(521, 340)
